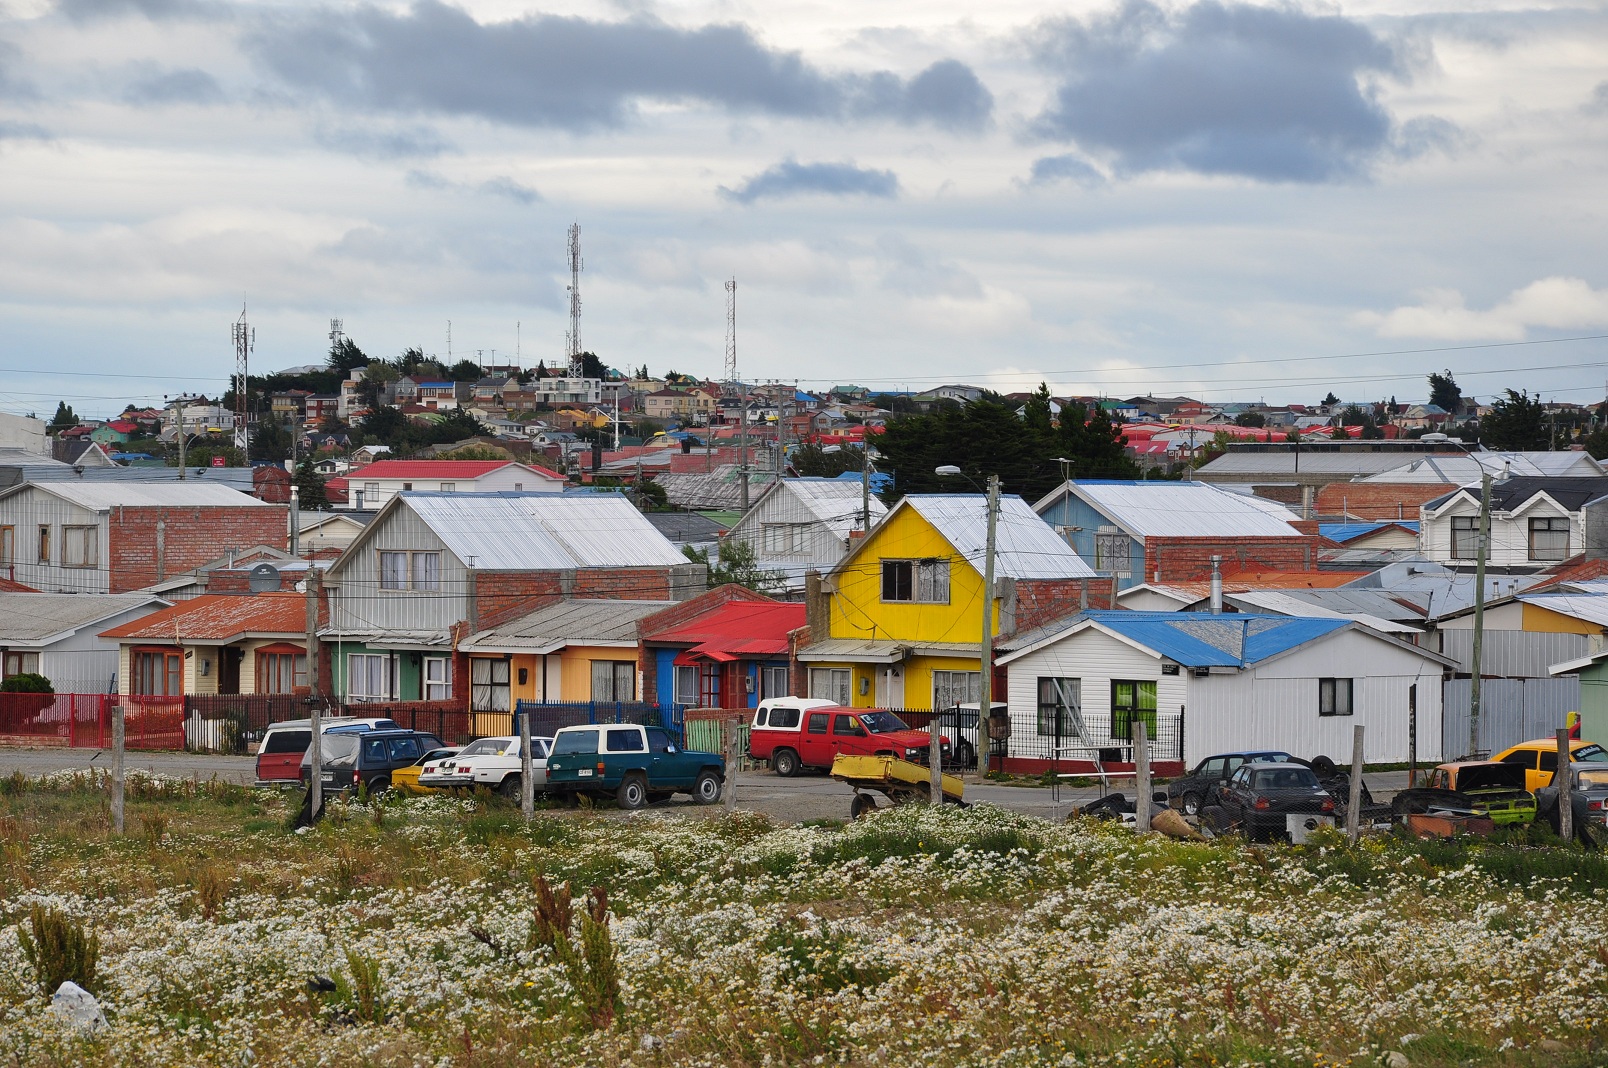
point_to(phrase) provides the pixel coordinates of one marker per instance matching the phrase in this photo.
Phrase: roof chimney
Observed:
(1217, 585)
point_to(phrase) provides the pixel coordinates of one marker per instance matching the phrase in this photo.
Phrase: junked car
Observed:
(494, 763)
(1539, 758)
(1187, 793)
(1268, 801)
(1589, 791)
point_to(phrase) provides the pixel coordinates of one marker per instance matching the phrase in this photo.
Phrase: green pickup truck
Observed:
(636, 765)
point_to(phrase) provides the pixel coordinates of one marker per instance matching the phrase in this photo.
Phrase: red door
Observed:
(814, 743)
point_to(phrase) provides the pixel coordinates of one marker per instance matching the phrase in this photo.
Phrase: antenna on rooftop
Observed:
(576, 366)
(731, 337)
(245, 341)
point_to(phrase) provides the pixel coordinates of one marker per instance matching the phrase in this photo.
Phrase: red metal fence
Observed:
(84, 721)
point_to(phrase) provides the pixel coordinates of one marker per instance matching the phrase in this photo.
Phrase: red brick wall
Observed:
(1040, 601)
(501, 596)
(192, 537)
(1189, 559)
(1376, 500)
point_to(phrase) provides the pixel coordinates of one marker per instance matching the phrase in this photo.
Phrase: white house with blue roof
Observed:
(1207, 684)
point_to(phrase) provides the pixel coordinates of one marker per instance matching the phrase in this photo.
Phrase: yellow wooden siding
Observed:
(857, 608)
(1538, 620)
(917, 674)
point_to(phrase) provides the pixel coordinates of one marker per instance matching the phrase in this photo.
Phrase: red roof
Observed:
(13, 586)
(408, 469)
(736, 630)
(219, 617)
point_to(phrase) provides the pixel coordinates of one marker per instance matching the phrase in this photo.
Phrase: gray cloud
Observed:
(791, 178)
(156, 10)
(1272, 93)
(507, 188)
(23, 131)
(1066, 168)
(915, 272)
(413, 142)
(1599, 99)
(189, 86)
(573, 73)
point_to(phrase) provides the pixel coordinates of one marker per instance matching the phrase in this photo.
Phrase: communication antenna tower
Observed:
(336, 332)
(576, 365)
(245, 340)
(731, 337)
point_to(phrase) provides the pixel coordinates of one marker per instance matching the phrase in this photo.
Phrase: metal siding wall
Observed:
(1511, 711)
(1514, 653)
(26, 513)
(362, 605)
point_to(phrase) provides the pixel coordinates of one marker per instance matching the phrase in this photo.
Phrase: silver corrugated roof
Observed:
(1288, 464)
(543, 531)
(1026, 547)
(568, 623)
(1462, 470)
(1185, 510)
(1282, 603)
(1593, 608)
(29, 618)
(835, 502)
(101, 496)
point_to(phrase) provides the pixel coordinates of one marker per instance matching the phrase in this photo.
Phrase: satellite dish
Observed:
(264, 578)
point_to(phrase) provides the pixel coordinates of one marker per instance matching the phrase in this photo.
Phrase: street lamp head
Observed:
(946, 470)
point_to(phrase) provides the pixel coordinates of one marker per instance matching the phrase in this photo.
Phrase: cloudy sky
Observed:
(1232, 200)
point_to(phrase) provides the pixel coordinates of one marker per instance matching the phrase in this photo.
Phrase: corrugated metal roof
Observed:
(1460, 470)
(543, 531)
(1289, 464)
(406, 469)
(103, 496)
(1197, 640)
(1185, 510)
(28, 618)
(220, 617)
(1275, 602)
(1593, 608)
(738, 627)
(835, 502)
(1344, 532)
(583, 622)
(1025, 546)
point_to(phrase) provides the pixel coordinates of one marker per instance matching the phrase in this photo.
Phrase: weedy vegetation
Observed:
(448, 932)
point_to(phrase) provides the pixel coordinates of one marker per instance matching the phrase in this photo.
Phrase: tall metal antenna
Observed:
(731, 338)
(336, 332)
(449, 341)
(576, 365)
(245, 340)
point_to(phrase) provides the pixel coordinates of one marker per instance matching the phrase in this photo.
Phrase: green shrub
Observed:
(59, 949)
(26, 682)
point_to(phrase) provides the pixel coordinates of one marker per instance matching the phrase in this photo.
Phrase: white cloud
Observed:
(1550, 303)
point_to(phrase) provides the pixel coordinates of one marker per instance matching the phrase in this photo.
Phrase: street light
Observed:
(985, 702)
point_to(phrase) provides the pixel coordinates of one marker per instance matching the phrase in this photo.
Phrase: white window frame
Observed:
(437, 678)
(775, 680)
(832, 683)
(687, 682)
(364, 670)
(1113, 551)
(951, 688)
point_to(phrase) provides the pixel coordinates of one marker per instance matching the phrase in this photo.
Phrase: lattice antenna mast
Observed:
(576, 365)
(245, 341)
(732, 388)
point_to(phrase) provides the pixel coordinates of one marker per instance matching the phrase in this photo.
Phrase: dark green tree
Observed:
(64, 419)
(1444, 392)
(1254, 419)
(734, 562)
(1329, 399)
(345, 356)
(270, 441)
(1038, 414)
(592, 367)
(812, 461)
(1515, 421)
(1596, 443)
(384, 425)
(310, 486)
(465, 371)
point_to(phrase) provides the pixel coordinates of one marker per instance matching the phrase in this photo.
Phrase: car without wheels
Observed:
(1188, 793)
(632, 764)
(1259, 799)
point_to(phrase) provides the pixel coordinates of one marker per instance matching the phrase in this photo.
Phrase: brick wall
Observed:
(148, 545)
(1376, 500)
(1189, 559)
(1041, 601)
(502, 596)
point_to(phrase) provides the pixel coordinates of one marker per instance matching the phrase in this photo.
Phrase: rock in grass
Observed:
(1396, 1059)
(78, 1007)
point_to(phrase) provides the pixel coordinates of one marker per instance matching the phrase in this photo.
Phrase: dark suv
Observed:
(1190, 793)
(367, 759)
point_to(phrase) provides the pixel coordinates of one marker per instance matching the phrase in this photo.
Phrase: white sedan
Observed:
(490, 762)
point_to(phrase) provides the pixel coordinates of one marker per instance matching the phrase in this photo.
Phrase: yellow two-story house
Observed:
(904, 609)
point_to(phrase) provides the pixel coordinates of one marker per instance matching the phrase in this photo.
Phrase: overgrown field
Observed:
(981, 937)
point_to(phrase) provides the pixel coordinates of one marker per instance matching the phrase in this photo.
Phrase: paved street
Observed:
(806, 797)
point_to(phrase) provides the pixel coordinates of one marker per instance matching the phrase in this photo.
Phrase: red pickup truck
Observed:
(794, 734)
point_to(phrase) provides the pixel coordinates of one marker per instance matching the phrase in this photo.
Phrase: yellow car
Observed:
(1540, 758)
(407, 779)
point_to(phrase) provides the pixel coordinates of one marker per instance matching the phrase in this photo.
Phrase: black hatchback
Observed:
(367, 759)
(1189, 793)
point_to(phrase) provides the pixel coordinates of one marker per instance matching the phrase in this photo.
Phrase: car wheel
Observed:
(861, 804)
(509, 787)
(633, 792)
(1323, 767)
(1189, 804)
(379, 785)
(706, 790)
(786, 763)
(965, 755)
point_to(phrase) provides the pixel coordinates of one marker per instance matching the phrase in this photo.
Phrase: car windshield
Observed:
(882, 722)
(575, 742)
(1590, 754)
(1284, 779)
(482, 747)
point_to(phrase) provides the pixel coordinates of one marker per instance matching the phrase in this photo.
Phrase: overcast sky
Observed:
(1229, 200)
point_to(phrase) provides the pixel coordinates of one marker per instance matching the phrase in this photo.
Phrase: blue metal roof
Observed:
(1196, 639)
(1344, 532)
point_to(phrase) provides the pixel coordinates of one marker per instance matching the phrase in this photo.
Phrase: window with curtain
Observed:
(157, 673)
(79, 547)
(21, 663)
(1334, 697)
(916, 581)
(614, 680)
(774, 681)
(427, 571)
(371, 677)
(400, 570)
(393, 571)
(489, 685)
(281, 671)
(951, 688)
(1549, 539)
(1060, 706)
(8, 546)
(437, 678)
(831, 684)
(1465, 537)
(1111, 552)
(1131, 701)
(686, 685)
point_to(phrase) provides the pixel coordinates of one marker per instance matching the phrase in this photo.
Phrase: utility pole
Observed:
(865, 486)
(985, 699)
(1479, 616)
(316, 748)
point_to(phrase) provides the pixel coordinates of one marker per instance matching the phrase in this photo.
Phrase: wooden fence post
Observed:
(733, 759)
(1564, 777)
(1141, 774)
(527, 785)
(117, 767)
(1354, 804)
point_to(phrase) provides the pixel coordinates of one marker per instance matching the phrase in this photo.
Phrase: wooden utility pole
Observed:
(733, 759)
(985, 702)
(1564, 778)
(1476, 666)
(1141, 774)
(1354, 802)
(315, 749)
(118, 739)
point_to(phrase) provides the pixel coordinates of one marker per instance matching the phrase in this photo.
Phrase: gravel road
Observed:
(807, 797)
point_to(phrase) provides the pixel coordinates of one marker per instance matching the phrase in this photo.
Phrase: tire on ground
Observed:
(632, 792)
